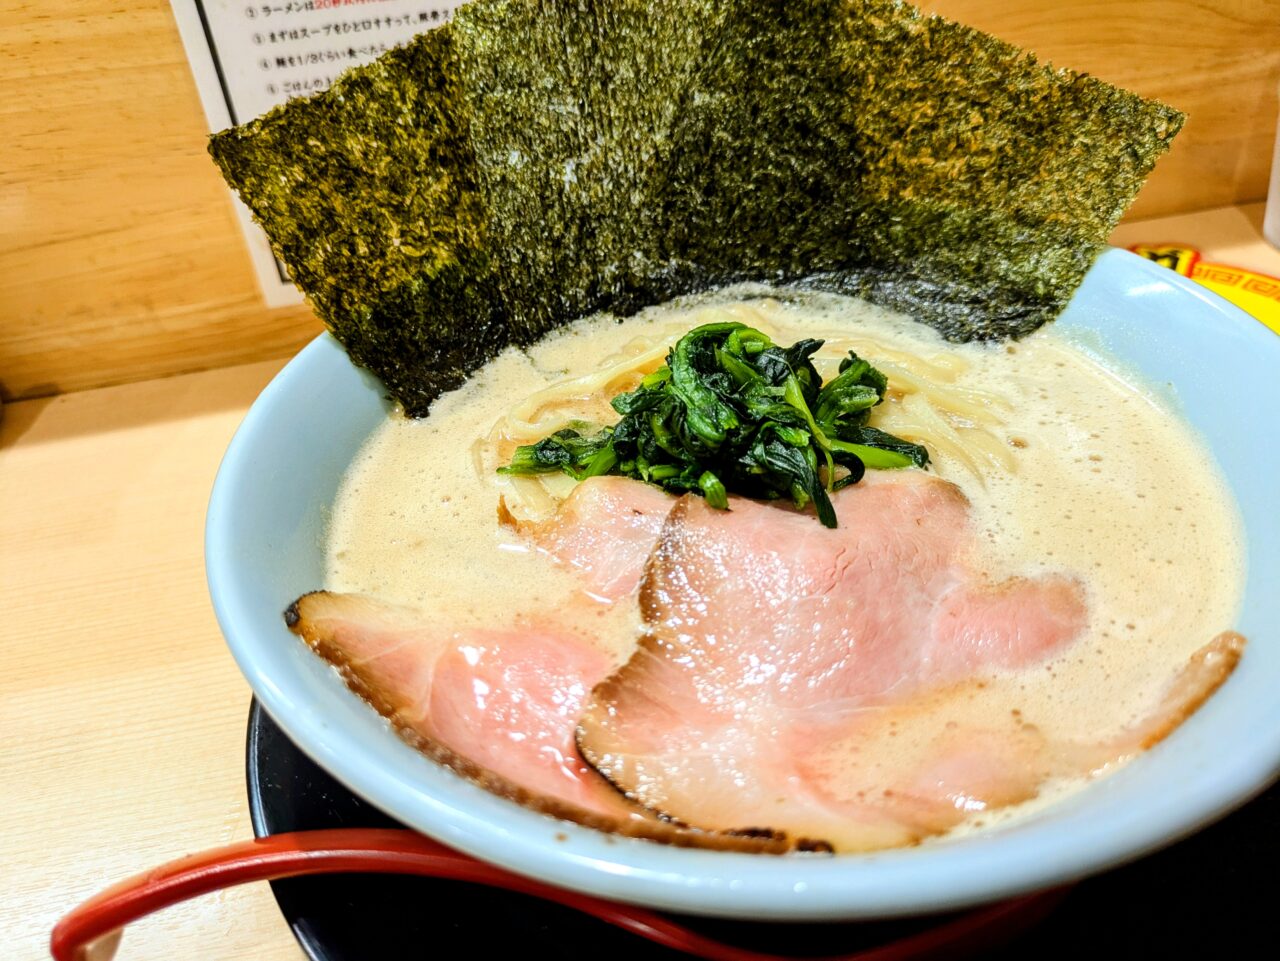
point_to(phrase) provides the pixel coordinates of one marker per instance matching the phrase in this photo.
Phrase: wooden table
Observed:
(122, 712)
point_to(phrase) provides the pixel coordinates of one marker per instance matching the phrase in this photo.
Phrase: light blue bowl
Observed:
(264, 548)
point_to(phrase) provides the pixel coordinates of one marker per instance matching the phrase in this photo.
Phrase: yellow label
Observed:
(1254, 293)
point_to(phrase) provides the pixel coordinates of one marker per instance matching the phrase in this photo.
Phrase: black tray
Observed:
(1206, 897)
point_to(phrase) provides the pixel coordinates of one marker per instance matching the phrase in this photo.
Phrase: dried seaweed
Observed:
(570, 124)
(534, 161)
(367, 193)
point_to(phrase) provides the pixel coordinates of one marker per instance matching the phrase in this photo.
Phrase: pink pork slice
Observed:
(768, 632)
(945, 770)
(604, 531)
(498, 706)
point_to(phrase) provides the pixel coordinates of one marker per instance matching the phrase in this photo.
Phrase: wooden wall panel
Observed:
(120, 255)
(120, 258)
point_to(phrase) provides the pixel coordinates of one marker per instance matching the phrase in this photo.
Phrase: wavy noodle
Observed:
(576, 399)
(989, 448)
(527, 417)
(961, 426)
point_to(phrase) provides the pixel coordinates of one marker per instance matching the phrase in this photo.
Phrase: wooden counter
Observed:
(122, 713)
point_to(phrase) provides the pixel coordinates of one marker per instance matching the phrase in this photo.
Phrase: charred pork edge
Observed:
(1218, 658)
(295, 617)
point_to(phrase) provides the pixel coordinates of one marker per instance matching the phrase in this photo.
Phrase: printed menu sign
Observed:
(247, 57)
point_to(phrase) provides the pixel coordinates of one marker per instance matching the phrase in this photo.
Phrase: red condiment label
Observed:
(1255, 293)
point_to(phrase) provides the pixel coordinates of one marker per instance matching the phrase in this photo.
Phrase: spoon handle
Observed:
(91, 932)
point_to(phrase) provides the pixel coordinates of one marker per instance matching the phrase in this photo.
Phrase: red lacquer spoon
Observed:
(92, 931)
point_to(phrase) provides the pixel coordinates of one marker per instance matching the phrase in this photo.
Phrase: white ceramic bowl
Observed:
(264, 549)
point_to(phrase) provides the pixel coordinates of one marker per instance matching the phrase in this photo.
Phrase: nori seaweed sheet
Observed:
(533, 161)
(367, 193)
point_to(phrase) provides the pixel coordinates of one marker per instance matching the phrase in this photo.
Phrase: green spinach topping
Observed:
(732, 411)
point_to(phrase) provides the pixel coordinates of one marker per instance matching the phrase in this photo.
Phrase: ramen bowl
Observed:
(265, 547)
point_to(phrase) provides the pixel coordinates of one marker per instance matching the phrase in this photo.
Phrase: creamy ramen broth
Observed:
(1095, 478)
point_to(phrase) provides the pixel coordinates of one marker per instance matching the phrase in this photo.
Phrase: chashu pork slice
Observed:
(827, 688)
(770, 637)
(604, 532)
(929, 761)
(498, 706)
